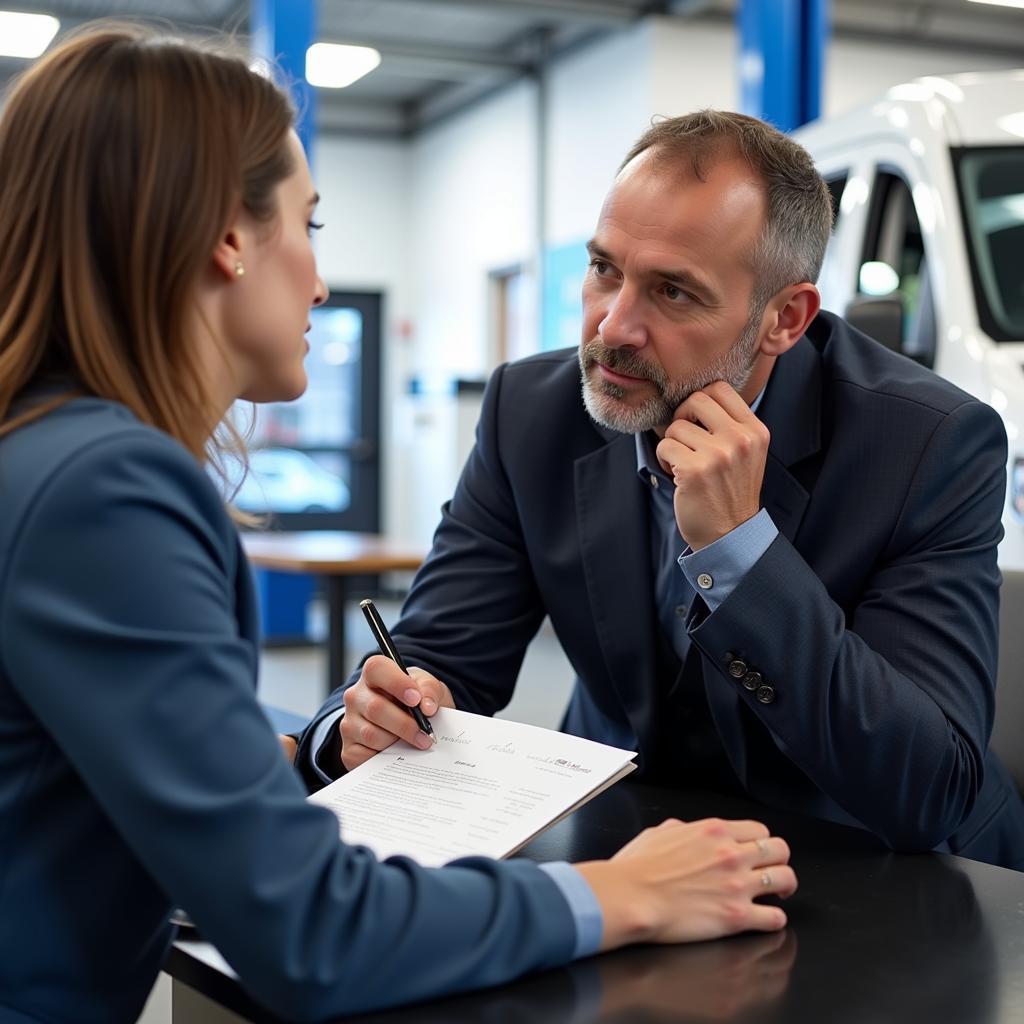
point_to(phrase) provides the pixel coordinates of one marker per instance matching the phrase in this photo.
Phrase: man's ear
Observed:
(787, 317)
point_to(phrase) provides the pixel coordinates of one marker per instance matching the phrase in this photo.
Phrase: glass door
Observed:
(314, 464)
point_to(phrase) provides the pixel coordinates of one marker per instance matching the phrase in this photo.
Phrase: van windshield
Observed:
(992, 185)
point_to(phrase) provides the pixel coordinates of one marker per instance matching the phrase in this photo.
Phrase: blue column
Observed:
(782, 59)
(282, 31)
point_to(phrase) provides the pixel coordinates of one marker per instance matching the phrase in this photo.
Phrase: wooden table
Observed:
(335, 556)
(873, 936)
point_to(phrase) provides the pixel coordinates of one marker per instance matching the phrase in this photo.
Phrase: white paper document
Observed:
(486, 787)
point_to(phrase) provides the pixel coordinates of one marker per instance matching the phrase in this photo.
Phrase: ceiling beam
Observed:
(343, 114)
(445, 62)
(606, 13)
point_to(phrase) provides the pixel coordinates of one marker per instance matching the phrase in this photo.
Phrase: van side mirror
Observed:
(880, 317)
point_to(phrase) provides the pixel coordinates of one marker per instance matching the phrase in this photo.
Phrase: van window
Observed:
(992, 189)
(894, 263)
(836, 184)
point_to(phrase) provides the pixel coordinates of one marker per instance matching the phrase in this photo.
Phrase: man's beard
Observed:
(603, 399)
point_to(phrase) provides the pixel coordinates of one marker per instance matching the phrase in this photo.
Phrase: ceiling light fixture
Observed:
(25, 35)
(337, 66)
(999, 3)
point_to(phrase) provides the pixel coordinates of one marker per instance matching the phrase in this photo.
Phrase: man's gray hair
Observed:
(799, 217)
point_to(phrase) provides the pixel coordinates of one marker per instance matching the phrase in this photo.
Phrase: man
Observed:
(766, 543)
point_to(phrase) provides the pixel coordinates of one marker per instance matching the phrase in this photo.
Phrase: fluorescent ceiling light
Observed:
(999, 3)
(25, 35)
(335, 66)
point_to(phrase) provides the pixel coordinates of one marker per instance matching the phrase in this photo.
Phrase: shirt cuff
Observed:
(321, 734)
(586, 911)
(714, 572)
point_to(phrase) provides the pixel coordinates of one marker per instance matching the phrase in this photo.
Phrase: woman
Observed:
(155, 267)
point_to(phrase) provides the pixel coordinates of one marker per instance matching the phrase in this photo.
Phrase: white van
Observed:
(927, 254)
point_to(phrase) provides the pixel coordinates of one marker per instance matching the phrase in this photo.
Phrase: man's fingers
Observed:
(434, 693)
(384, 675)
(380, 711)
(730, 400)
(355, 755)
(418, 687)
(686, 433)
(703, 409)
(365, 734)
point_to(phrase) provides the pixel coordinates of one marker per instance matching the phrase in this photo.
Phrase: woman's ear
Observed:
(227, 258)
(789, 314)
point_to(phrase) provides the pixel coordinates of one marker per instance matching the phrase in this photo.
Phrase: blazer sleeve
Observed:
(474, 606)
(888, 707)
(119, 632)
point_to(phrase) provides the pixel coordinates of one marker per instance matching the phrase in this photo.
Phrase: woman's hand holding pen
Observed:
(377, 709)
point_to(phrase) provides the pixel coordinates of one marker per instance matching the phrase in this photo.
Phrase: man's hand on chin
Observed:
(715, 448)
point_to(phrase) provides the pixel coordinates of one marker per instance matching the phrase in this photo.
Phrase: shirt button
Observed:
(765, 694)
(737, 668)
(654, 481)
(704, 581)
(752, 681)
(681, 611)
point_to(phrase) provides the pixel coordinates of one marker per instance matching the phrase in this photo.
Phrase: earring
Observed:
(239, 269)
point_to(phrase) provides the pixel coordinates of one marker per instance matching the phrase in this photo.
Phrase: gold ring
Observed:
(766, 879)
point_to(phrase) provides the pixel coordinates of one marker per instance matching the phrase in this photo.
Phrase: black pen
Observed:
(389, 650)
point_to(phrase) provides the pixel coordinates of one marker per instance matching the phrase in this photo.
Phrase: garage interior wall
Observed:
(429, 220)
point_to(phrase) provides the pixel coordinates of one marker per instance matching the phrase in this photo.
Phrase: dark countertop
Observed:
(874, 937)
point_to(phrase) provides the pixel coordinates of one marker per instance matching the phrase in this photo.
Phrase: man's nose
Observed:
(622, 325)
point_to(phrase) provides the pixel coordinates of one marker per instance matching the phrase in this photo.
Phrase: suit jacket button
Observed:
(737, 668)
(752, 680)
(765, 694)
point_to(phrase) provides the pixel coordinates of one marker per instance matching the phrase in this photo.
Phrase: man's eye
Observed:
(312, 226)
(674, 293)
(600, 266)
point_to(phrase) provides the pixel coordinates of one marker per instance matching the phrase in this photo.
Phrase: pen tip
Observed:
(433, 738)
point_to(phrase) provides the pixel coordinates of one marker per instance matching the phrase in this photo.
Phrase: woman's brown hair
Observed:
(123, 156)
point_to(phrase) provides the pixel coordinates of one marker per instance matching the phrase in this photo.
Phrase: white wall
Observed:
(366, 210)
(598, 103)
(473, 199)
(694, 67)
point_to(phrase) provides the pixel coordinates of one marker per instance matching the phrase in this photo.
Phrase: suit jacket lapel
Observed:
(615, 545)
(791, 409)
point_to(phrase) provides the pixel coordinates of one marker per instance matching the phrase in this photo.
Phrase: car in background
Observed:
(286, 480)
(927, 251)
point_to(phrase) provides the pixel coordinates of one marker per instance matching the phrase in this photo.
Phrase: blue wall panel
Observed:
(564, 269)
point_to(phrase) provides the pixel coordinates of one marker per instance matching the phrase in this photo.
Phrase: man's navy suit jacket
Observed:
(873, 615)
